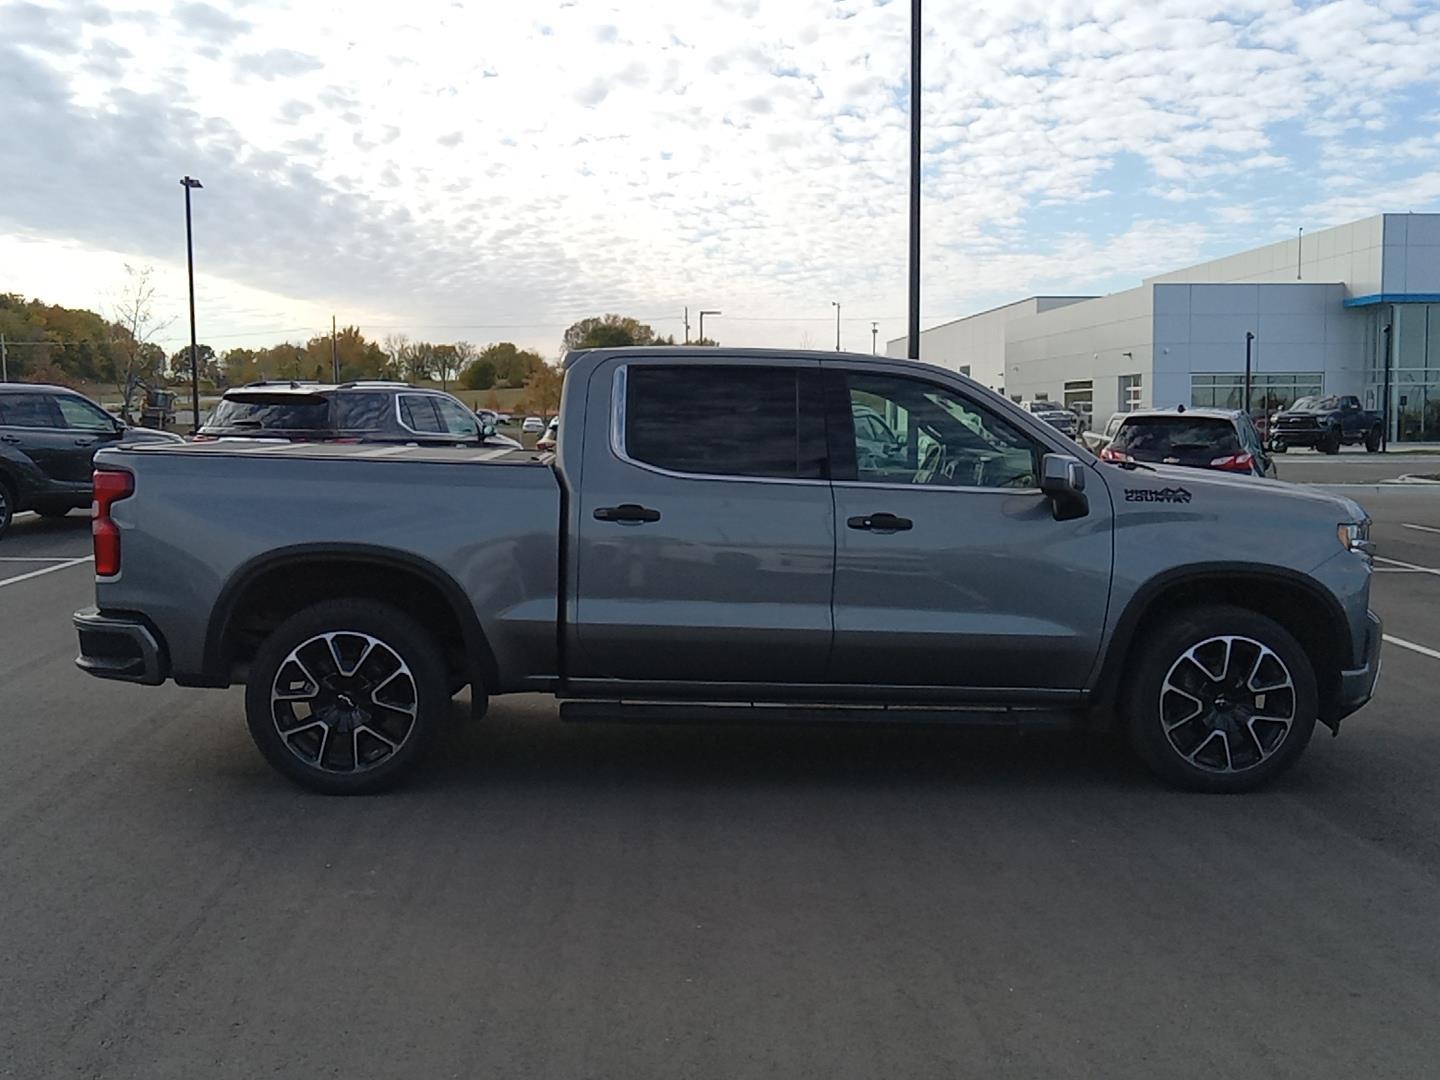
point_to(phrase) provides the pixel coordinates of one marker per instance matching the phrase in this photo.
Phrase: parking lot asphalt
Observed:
(1352, 466)
(635, 901)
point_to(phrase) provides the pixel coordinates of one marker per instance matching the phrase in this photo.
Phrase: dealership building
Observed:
(1329, 312)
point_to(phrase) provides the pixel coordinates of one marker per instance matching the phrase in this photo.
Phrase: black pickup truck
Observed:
(1326, 423)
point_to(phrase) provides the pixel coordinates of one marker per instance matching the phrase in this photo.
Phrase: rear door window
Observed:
(723, 421)
(29, 411)
(1177, 436)
(275, 412)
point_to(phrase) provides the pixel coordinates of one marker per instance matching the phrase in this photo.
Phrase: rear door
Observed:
(951, 570)
(705, 524)
(31, 425)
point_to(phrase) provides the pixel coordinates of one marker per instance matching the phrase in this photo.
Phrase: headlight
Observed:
(1355, 536)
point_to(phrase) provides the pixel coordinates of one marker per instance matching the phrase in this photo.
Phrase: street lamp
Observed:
(702, 323)
(874, 336)
(836, 305)
(188, 182)
(1249, 341)
(914, 312)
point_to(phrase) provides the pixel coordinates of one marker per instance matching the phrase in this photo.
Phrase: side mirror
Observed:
(487, 428)
(1062, 479)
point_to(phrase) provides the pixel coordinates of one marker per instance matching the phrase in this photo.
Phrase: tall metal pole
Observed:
(1385, 406)
(1299, 246)
(190, 182)
(334, 354)
(874, 336)
(836, 305)
(1249, 338)
(4, 361)
(687, 324)
(913, 333)
(702, 323)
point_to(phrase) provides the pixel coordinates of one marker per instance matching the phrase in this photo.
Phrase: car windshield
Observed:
(273, 412)
(1317, 403)
(1163, 436)
(1044, 406)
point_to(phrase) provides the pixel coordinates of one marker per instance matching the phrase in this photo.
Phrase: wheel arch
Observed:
(270, 587)
(1297, 602)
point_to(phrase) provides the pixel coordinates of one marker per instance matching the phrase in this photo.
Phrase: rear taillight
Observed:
(1234, 463)
(1108, 454)
(202, 438)
(110, 487)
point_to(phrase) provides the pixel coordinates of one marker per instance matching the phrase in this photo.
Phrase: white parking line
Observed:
(1421, 528)
(33, 558)
(46, 570)
(1407, 566)
(1434, 654)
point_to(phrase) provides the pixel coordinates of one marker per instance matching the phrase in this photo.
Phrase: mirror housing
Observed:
(487, 428)
(1062, 479)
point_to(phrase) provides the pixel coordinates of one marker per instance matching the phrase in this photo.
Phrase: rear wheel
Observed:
(7, 508)
(347, 696)
(1223, 700)
(1372, 440)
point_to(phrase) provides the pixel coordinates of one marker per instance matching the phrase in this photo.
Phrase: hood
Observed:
(1306, 412)
(134, 435)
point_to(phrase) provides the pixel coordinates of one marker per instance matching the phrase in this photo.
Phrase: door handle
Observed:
(10, 438)
(84, 442)
(627, 514)
(881, 522)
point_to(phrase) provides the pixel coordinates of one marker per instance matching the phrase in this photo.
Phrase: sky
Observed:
(493, 171)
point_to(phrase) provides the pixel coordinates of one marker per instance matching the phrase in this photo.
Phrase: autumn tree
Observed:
(135, 358)
(608, 332)
(513, 365)
(542, 392)
(479, 374)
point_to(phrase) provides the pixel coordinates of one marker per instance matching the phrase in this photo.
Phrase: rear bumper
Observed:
(1357, 686)
(119, 647)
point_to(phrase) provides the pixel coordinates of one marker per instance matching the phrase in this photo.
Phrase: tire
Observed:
(7, 507)
(1230, 747)
(368, 694)
(1278, 446)
(1372, 441)
(1330, 444)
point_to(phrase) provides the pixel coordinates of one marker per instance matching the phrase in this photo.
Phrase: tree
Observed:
(205, 360)
(479, 374)
(513, 366)
(397, 355)
(135, 357)
(608, 332)
(542, 392)
(446, 361)
(420, 361)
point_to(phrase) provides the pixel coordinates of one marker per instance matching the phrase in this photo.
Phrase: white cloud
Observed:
(518, 166)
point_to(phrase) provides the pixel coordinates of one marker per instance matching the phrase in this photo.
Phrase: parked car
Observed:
(708, 544)
(48, 437)
(1222, 439)
(1326, 423)
(1095, 441)
(533, 425)
(548, 441)
(368, 412)
(1056, 415)
(875, 441)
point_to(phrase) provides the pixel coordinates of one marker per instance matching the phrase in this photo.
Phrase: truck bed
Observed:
(205, 518)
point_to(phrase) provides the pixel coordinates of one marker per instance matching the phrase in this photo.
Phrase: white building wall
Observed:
(977, 341)
(1412, 254)
(1083, 341)
(1351, 253)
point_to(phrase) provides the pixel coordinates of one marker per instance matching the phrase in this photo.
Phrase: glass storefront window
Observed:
(1269, 392)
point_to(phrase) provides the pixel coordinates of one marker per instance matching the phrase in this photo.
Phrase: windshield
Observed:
(273, 413)
(1167, 436)
(1317, 403)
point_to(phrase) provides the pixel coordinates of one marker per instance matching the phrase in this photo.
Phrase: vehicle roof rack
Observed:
(374, 382)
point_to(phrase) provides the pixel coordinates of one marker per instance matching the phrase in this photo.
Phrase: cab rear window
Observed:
(272, 414)
(1174, 435)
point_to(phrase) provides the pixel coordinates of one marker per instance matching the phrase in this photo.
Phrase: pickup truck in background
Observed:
(714, 539)
(1326, 423)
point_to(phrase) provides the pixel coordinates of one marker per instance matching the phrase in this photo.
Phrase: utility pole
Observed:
(874, 336)
(189, 182)
(1299, 244)
(914, 314)
(1385, 407)
(702, 323)
(836, 305)
(687, 324)
(334, 355)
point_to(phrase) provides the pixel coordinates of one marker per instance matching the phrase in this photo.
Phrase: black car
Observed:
(1326, 423)
(48, 436)
(1056, 415)
(1223, 439)
(382, 412)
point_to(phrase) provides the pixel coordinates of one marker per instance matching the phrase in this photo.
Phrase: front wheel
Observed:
(346, 697)
(1278, 446)
(1330, 444)
(1223, 700)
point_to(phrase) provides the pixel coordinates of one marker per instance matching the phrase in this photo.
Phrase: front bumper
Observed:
(119, 647)
(1357, 686)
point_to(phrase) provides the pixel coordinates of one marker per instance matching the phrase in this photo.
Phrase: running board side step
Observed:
(689, 712)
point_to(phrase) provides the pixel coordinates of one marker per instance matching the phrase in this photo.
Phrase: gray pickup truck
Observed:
(713, 541)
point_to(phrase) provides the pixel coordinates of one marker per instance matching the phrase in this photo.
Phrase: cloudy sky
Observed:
(494, 170)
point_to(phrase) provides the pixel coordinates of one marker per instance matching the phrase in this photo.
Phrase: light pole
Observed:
(874, 336)
(914, 314)
(836, 305)
(1249, 340)
(188, 182)
(702, 323)
(1385, 407)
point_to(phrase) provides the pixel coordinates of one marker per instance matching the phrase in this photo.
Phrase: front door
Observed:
(90, 428)
(951, 570)
(705, 524)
